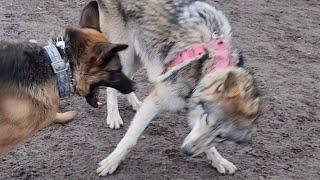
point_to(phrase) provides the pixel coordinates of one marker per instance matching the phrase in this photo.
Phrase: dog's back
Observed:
(28, 96)
(23, 64)
(162, 29)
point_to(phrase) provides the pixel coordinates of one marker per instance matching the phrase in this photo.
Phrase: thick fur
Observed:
(29, 99)
(222, 104)
(95, 60)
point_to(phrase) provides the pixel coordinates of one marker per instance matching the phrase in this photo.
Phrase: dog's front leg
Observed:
(150, 107)
(220, 163)
(114, 120)
(140, 121)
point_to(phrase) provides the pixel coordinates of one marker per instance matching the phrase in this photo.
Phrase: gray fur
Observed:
(156, 32)
(163, 29)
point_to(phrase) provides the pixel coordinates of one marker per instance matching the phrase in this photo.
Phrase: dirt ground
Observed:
(281, 42)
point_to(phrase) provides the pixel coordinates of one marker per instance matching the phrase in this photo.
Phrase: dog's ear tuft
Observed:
(231, 87)
(90, 16)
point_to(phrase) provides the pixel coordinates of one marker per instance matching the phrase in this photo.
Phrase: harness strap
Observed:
(221, 49)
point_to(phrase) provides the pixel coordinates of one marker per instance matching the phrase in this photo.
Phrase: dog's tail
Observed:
(214, 19)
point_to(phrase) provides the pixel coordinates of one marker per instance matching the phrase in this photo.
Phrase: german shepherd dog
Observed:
(185, 45)
(28, 94)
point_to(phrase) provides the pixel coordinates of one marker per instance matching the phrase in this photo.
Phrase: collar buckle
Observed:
(59, 66)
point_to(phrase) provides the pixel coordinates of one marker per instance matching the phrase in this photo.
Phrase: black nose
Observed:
(134, 86)
(187, 150)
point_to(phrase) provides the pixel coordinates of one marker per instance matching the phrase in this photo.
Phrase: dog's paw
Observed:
(221, 164)
(109, 164)
(224, 166)
(136, 105)
(114, 120)
(134, 101)
(66, 117)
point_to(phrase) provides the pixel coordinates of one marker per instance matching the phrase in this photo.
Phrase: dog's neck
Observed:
(60, 67)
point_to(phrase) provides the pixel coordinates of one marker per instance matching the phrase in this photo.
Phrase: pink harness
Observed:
(221, 49)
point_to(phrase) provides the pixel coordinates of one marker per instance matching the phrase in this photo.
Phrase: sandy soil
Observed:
(281, 41)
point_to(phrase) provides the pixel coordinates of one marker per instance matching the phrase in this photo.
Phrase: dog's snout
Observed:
(187, 150)
(239, 136)
(134, 86)
(127, 87)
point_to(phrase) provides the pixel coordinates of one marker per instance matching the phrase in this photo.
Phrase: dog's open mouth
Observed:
(93, 97)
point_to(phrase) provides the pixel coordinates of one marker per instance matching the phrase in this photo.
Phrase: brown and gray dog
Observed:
(28, 93)
(185, 45)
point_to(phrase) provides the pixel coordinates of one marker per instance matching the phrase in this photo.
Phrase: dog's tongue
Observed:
(92, 98)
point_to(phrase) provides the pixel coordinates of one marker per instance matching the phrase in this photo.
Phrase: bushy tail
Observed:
(214, 19)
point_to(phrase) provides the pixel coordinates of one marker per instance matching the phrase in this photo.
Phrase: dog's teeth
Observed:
(100, 103)
(33, 41)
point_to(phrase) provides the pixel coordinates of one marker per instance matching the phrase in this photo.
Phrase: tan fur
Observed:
(89, 70)
(24, 112)
(65, 117)
(232, 88)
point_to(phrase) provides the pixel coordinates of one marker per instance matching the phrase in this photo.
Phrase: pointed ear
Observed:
(105, 50)
(76, 40)
(231, 87)
(71, 32)
(75, 36)
(118, 47)
(90, 16)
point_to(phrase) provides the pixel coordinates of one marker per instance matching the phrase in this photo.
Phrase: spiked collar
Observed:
(61, 68)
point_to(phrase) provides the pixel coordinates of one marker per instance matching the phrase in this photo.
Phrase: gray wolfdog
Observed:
(185, 45)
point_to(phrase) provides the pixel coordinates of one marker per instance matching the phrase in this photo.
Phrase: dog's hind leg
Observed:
(59, 118)
(132, 98)
(131, 63)
(65, 117)
(134, 101)
(160, 99)
(221, 164)
(15, 132)
(114, 119)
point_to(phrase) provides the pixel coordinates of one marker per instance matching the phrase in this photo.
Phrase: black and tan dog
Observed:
(28, 94)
